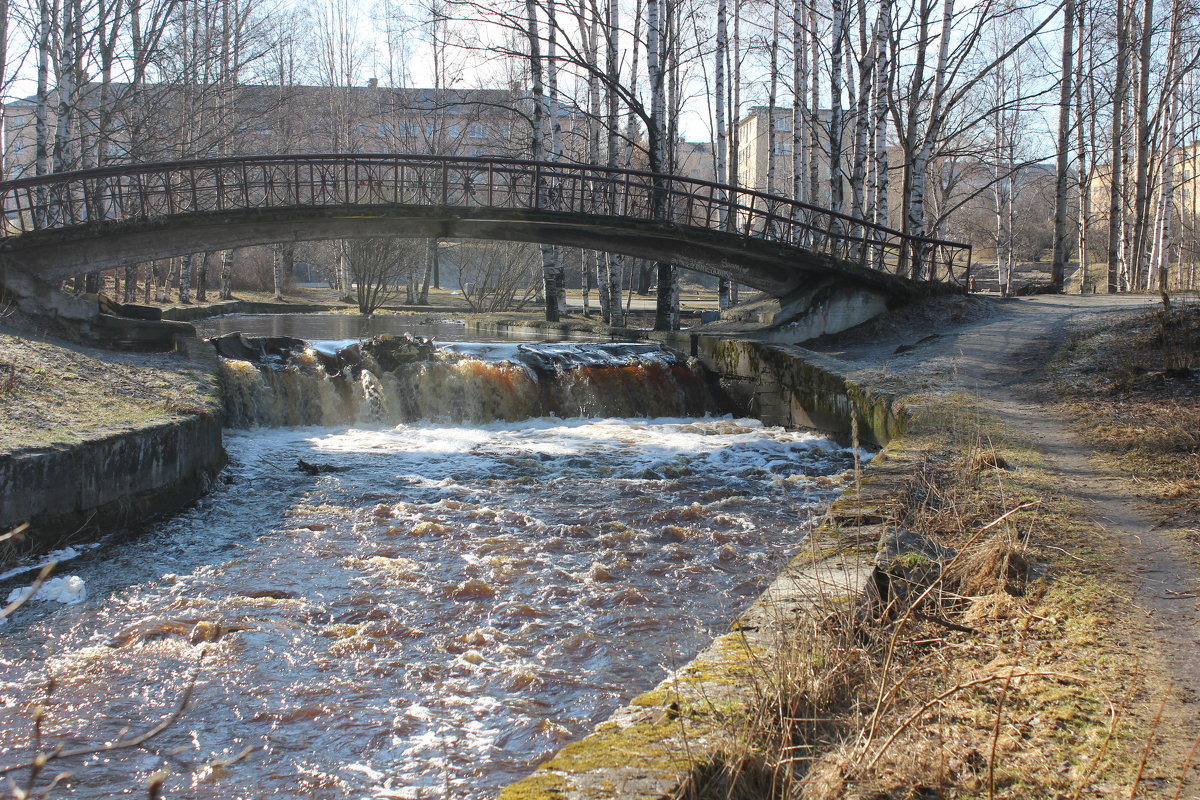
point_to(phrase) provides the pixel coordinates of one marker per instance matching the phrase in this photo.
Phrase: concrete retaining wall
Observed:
(70, 492)
(790, 386)
(122, 479)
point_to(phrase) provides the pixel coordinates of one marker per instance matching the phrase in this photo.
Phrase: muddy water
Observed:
(468, 382)
(434, 620)
(431, 616)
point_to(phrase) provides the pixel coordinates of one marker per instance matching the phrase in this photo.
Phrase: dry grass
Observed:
(1134, 389)
(999, 670)
(53, 392)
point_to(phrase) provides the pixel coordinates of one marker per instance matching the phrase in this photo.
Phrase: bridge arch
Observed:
(63, 224)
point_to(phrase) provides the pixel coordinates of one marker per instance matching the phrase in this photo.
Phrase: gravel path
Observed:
(999, 358)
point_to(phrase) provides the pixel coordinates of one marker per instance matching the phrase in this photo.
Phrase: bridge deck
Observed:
(57, 222)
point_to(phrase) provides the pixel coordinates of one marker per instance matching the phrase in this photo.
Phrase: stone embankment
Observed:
(98, 440)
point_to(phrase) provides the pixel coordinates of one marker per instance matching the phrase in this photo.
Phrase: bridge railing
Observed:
(147, 192)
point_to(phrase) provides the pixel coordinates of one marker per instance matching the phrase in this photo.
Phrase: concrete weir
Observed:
(663, 741)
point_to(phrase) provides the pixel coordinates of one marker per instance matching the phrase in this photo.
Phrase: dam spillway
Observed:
(453, 594)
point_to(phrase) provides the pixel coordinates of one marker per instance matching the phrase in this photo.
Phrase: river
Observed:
(435, 610)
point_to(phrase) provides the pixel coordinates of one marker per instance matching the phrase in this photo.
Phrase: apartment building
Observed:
(755, 155)
(161, 122)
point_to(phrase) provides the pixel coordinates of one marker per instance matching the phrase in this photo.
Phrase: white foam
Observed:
(54, 556)
(68, 589)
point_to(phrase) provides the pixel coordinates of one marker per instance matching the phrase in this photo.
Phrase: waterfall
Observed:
(389, 380)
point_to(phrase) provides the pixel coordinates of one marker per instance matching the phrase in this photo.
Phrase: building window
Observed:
(454, 131)
(477, 131)
(783, 124)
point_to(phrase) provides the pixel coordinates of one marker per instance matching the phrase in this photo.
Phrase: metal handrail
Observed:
(143, 192)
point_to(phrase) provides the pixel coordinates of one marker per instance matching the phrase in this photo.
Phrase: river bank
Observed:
(1013, 677)
(1030, 632)
(1071, 671)
(96, 439)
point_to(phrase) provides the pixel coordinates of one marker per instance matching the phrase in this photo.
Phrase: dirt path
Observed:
(999, 359)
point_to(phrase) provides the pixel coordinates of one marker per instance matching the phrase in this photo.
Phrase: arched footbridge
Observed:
(73, 222)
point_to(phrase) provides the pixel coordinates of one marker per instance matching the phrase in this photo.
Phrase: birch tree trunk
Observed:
(882, 81)
(185, 281)
(800, 116)
(772, 97)
(1058, 267)
(613, 264)
(666, 316)
(815, 141)
(722, 53)
(1086, 139)
(1142, 218)
(41, 163)
(276, 271)
(131, 279)
(862, 119)
(227, 275)
(537, 141)
(1170, 120)
(1115, 196)
(835, 105)
(556, 148)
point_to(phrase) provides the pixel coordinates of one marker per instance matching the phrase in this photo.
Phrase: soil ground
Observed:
(998, 353)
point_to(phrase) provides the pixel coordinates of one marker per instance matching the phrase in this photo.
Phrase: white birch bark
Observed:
(862, 119)
(724, 300)
(835, 105)
(1115, 197)
(1058, 267)
(1142, 217)
(800, 116)
(226, 275)
(882, 79)
(613, 264)
(185, 280)
(537, 143)
(772, 99)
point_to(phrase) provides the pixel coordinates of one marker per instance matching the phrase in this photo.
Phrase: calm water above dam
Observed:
(336, 327)
(440, 608)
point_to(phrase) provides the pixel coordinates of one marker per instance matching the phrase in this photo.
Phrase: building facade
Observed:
(122, 124)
